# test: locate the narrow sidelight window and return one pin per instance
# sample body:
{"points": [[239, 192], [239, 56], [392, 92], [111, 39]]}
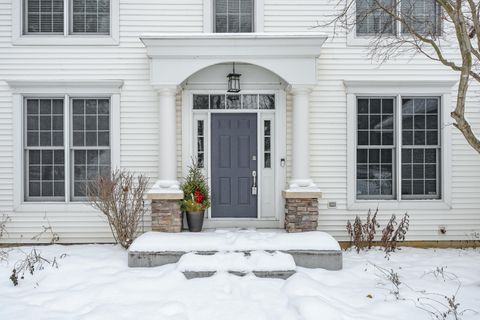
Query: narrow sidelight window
{"points": [[43, 16], [201, 143], [234, 16], [375, 148]]}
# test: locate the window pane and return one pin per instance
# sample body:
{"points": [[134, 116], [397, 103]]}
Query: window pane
{"points": [[88, 165], [44, 122], [233, 101], [421, 16], [266, 101], [234, 16], [45, 169], [250, 101], [420, 121], [200, 101], [91, 16], [371, 19], [44, 16]]}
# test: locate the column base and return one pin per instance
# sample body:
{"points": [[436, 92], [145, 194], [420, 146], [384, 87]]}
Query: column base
{"points": [[301, 210], [302, 184], [166, 213]]}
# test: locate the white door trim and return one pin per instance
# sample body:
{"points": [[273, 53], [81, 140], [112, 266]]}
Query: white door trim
{"points": [[279, 152]]}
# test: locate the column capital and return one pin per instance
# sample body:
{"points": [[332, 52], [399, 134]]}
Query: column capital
{"points": [[299, 89], [166, 90]]}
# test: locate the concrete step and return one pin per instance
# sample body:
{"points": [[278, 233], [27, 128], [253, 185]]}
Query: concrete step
{"points": [[263, 264]]}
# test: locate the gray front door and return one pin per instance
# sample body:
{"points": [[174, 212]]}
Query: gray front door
{"points": [[234, 162]]}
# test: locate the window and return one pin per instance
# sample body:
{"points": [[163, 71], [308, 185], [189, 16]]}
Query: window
{"points": [[47, 143], [90, 142], [84, 17], [90, 16], [234, 101], [44, 16], [45, 149], [372, 19], [234, 16], [267, 144], [422, 16], [420, 148], [375, 148], [201, 143], [379, 141]]}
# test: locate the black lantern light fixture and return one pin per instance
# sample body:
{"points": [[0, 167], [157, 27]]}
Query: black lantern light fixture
{"points": [[233, 81]]}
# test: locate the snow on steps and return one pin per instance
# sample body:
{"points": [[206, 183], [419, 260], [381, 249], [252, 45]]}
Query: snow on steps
{"points": [[272, 264], [309, 249]]}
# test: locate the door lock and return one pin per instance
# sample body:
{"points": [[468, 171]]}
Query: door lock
{"points": [[254, 187]]}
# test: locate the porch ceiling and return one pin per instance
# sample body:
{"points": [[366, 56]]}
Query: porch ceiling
{"points": [[292, 56]]}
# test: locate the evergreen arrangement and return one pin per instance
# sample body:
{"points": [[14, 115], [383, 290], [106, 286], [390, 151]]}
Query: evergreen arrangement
{"points": [[195, 189]]}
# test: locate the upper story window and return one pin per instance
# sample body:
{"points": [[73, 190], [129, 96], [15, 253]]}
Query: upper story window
{"points": [[372, 19], [234, 16], [421, 16], [81, 17]]}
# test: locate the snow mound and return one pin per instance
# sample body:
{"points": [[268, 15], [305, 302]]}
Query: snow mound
{"points": [[237, 261], [242, 240]]}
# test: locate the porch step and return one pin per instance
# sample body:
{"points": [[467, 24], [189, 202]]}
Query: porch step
{"points": [[310, 249], [263, 264]]}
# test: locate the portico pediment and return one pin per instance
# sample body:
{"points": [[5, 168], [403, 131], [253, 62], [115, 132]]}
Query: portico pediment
{"points": [[292, 56]]}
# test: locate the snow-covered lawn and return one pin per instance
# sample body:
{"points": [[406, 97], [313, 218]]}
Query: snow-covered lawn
{"points": [[94, 282]]}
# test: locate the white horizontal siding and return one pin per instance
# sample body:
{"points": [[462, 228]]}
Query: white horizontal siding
{"points": [[139, 124]]}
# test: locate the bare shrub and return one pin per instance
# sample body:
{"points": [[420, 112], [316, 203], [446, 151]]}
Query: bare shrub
{"points": [[4, 219], [47, 230], [392, 233], [119, 197], [32, 262], [393, 278], [442, 307], [363, 235]]}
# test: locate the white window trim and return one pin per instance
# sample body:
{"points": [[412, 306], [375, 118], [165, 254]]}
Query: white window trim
{"points": [[397, 89], [364, 41], [23, 89], [67, 39], [208, 17]]}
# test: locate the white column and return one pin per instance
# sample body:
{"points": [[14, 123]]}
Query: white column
{"points": [[300, 140], [167, 164]]}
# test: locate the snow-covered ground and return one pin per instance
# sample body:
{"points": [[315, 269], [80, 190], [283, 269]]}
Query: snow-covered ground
{"points": [[94, 282]]}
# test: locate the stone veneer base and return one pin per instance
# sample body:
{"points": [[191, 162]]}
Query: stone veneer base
{"points": [[301, 215], [166, 215]]}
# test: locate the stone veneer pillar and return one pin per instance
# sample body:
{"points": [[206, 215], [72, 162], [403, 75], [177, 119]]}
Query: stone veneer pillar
{"points": [[165, 193], [301, 198]]}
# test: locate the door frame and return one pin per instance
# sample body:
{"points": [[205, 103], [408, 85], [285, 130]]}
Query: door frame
{"points": [[279, 152]]}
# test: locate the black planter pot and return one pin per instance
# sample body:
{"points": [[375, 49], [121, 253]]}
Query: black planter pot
{"points": [[195, 220]]}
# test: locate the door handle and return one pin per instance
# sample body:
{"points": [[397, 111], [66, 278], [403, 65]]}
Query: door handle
{"points": [[254, 187]]}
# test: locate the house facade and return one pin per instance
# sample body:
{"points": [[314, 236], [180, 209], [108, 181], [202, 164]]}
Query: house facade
{"points": [[91, 85]]}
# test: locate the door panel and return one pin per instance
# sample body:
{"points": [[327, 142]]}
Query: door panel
{"points": [[233, 154]]}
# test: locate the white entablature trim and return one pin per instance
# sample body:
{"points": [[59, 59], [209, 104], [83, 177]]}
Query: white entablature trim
{"points": [[292, 56], [65, 86]]}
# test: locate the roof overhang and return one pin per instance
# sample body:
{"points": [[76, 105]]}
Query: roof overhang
{"points": [[292, 56]]}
